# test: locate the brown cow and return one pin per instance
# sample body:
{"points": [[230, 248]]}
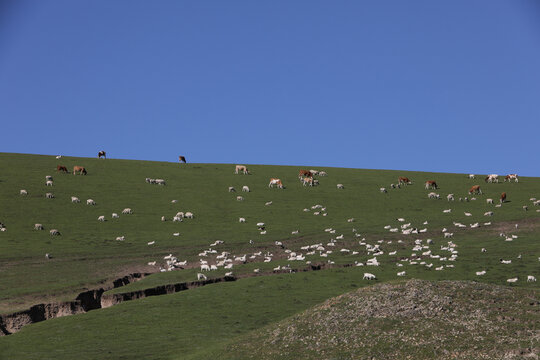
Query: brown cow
{"points": [[102, 153], [404, 180], [475, 189], [277, 182], [61, 168], [304, 173], [431, 184], [503, 197], [182, 159], [79, 169]]}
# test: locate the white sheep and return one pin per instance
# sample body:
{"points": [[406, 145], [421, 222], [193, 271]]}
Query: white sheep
{"points": [[38, 227], [433, 195], [242, 220], [402, 273], [450, 197], [512, 280], [54, 232], [232, 189], [115, 216], [48, 183], [49, 195], [101, 218], [163, 218], [383, 190], [531, 278], [120, 238], [201, 276], [472, 176], [489, 201], [48, 178], [160, 181], [245, 188], [488, 213], [75, 199], [189, 215], [268, 203], [177, 219], [369, 276], [239, 198], [205, 267], [23, 192], [90, 202], [127, 211], [340, 186], [481, 273]]}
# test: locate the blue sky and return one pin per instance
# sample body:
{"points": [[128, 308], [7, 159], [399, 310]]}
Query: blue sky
{"points": [[415, 85]]}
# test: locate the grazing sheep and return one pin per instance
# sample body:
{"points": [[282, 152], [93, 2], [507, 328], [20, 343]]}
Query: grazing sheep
{"points": [[101, 218], [90, 202], [205, 267], [49, 195], [177, 219], [448, 235], [75, 199], [242, 220], [340, 186], [472, 176], [232, 189], [163, 218], [531, 278], [489, 213], [48, 178], [189, 215], [433, 195], [38, 227], [48, 256], [489, 201], [115, 216], [525, 207], [402, 273], [160, 182], [120, 238], [201, 277], [383, 190], [322, 173], [450, 197], [245, 188], [369, 276], [23, 192], [49, 183], [240, 198], [54, 232], [127, 211]]}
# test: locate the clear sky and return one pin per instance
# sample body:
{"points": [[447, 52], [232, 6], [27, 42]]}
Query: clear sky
{"points": [[428, 85]]}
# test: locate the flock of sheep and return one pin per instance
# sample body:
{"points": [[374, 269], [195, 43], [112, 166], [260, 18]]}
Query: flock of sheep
{"points": [[423, 253]]}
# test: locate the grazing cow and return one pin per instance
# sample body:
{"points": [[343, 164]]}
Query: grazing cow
{"points": [[276, 182], [182, 159], [102, 154], [61, 168], [307, 181], [241, 168], [511, 177], [475, 189], [503, 197], [431, 184], [79, 169], [404, 180], [304, 173], [492, 178]]}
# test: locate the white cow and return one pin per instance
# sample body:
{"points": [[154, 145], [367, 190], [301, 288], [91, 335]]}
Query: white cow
{"points": [[492, 178]]}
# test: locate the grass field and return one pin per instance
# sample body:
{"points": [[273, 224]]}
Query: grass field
{"points": [[86, 255]]}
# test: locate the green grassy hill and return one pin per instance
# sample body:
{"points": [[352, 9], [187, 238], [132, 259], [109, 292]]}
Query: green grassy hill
{"points": [[86, 254]]}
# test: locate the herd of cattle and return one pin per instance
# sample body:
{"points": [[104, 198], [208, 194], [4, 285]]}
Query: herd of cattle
{"points": [[421, 252]]}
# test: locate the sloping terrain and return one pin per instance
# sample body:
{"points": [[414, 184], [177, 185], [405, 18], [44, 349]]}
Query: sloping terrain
{"points": [[415, 319], [337, 230]]}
